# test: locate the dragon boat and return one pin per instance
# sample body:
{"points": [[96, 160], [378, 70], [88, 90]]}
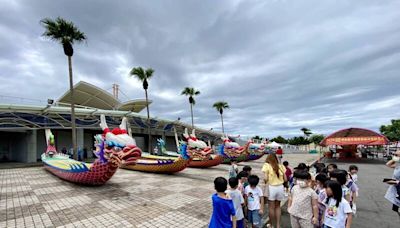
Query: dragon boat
{"points": [[161, 164], [232, 151], [255, 151], [201, 153], [113, 148]]}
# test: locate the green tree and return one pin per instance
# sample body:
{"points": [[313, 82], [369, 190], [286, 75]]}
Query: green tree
{"points": [[298, 140], [279, 139], [220, 106], [191, 92], [316, 139], [66, 33], [391, 131], [144, 76]]}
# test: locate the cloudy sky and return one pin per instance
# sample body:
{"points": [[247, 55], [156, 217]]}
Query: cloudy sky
{"points": [[280, 64]]}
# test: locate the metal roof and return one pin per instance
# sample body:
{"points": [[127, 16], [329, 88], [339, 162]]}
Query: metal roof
{"points": [[86, 94], [22, 117]]}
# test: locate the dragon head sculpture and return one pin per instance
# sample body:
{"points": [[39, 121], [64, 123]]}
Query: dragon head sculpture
{"points": [[116, 146]]}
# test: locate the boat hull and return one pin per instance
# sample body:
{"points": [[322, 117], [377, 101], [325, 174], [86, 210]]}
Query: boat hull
{"points": [[241, 158], [166, 166], [98, 174], [206, 163], [253, 157]]}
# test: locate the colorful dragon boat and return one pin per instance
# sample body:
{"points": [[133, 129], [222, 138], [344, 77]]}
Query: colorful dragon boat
{"points": [[232, 151], [113, 148], [255, 150], [161, 164], [201, 154]]}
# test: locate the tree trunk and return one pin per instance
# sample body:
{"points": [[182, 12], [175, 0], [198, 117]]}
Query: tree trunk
{"points": [[73, 125], [148, 122], [222, 121], [191, 112]]}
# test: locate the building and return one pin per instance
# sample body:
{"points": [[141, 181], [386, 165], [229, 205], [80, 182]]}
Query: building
{"points": [[22, 126]]}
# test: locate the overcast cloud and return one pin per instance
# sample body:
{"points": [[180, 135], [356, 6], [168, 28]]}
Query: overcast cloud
{"points": [[281, 65]]}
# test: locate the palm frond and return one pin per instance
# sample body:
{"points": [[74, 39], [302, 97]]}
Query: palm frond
{"points": [[138, 72], [149, 73], [220, 105], [190, 91], [62, 31]]}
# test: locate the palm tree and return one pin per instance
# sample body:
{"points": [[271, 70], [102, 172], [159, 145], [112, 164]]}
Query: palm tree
{"points": [[307, 132], [220, 106], [66, 33], [143, 76], [191, 92]]}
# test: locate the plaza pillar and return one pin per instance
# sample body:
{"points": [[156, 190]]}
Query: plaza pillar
{"points": [[80, 141], [31, 149]]}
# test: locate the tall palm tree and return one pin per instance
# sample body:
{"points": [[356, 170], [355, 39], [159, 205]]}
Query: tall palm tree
{"points": [[143, 76], [66, 33], [220, 106], [307, 132], [191, 92]]}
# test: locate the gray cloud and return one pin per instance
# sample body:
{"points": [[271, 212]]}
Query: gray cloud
{"points": [[281, 65]]}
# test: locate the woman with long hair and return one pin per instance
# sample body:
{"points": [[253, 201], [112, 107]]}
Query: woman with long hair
{"points": [[274, 177]]}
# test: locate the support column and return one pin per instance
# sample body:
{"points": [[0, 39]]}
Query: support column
{"points": [[31, 149], [80, 140]]}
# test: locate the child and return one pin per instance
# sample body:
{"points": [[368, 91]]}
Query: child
{"points": [[303, 202], [338, 213], [242, 177], [233, 170], [320, 180], [340, 176], [223, 214], [331, 168], [247, 169], [353, 190], [288, 174], [243, 182], [238, 201], [353, 170], [254, 201]]}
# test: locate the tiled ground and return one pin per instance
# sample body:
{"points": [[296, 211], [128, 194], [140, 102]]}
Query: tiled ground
{"points": [[32, 197]]}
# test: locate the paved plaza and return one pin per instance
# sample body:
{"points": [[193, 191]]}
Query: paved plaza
{"points": [[32, 197]]}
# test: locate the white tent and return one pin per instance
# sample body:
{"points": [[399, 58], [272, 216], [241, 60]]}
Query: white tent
{"points": [[274, 145]]}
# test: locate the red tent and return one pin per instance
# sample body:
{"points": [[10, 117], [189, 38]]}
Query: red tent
{"points": [[355, 136]]}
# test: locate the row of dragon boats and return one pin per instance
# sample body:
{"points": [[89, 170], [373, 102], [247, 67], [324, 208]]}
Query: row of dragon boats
{"points": [[116, 148]]}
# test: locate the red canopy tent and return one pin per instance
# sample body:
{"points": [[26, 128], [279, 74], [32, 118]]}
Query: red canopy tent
{"points": [[355, 136], [350, 138]]}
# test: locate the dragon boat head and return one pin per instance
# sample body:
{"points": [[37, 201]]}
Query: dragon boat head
{"points": [[116, 146], [183, 150], [161, 145]]}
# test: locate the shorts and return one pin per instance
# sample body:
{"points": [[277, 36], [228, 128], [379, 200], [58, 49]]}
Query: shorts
{"points": [[297, 222], [266, 191], [276, 192], [240, 223], [254, 217]]}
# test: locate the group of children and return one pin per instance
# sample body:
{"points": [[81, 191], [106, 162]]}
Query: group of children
{"points": [[242, 203], [319, 197], [324, 197]]}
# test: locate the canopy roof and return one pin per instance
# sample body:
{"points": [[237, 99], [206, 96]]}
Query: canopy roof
{"points": [[355, 136], [133, 105], [274, 145], [88, 95]]}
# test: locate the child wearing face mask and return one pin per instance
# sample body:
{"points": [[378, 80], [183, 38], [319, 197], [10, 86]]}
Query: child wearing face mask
{"points": [[303, 202], [353, 170]]}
